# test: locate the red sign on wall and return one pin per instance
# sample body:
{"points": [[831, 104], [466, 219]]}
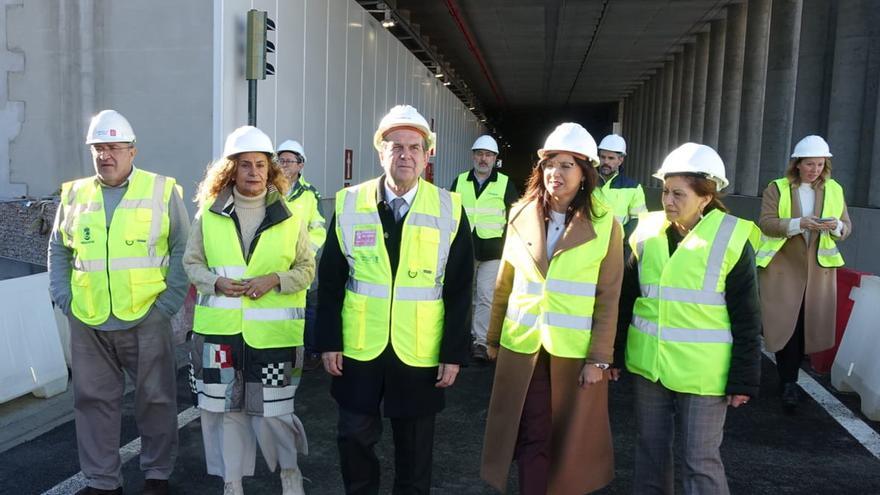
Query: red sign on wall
{"points": [[349, 164], [429, 172]]}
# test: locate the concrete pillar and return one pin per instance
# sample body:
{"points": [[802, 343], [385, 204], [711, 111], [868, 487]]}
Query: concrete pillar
{"points": [[698, 101], [677, 94], [782, 68], [751, 117], [657, 119], [731, 90], [644, 144], [714, 82], [687, 93], [637, 157], [851, 100], [666, 117], [815, 53]]}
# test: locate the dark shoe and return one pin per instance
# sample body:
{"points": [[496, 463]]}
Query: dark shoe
{"points": [[791, 395], [155, 487], [311, 362], [97, 491]]}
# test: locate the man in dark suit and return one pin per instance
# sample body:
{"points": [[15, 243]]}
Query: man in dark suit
{"points": [[393, 307]]}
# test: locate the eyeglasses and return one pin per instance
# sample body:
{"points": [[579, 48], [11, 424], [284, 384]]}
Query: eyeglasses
{"points": [[558, 165], [289, 162], [99, 149]]}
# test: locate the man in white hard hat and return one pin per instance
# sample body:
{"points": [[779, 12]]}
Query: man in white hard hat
{"points": [[486, 195], [115, 271], [304, 201], [394, 299], [623, 194]]}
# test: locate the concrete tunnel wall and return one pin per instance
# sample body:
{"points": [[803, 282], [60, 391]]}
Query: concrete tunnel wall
{"points": [[753, 84]]}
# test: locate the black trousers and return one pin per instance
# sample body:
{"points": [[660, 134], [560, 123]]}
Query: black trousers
{"points": [[789, 358], [413, 448]]}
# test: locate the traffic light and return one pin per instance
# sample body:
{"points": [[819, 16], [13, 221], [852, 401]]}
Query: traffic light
{"points": [[258, 45]]}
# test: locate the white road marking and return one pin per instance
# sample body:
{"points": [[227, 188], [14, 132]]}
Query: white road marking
{"points": [[127, 452]]}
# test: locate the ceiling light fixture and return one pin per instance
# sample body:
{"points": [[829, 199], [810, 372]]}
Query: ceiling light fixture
{"points": [[388, 22], [438, 75]]}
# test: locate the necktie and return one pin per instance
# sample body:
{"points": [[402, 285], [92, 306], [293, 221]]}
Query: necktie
{"points": [[396, 205]]}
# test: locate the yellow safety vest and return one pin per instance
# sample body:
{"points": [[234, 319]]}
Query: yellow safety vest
{"points": [[627, 202], [555, 312], [120, 269], [680, 331], [833, 204], [275, 319], [487, 214], [410, 305], [303, 203]]}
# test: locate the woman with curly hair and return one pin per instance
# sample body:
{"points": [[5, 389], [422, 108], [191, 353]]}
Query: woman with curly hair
{"points": [[251, 263]]}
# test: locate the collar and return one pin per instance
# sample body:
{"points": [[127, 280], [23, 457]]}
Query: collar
{"points": [[99, 182], [613, 176], [409, 196], [493, 176]]}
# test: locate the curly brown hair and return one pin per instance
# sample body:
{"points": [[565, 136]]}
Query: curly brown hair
{"points": [[222, 172]]}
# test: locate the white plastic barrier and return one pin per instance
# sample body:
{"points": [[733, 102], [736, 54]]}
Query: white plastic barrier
{"points": [[857, 367], [31, 357]]}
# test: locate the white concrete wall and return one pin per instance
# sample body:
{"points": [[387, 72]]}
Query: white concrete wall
{"points": [[152, 61], [337, 73]]}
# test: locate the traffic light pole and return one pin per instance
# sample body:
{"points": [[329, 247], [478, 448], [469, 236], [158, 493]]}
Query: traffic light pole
{"points": [[252, 102]]}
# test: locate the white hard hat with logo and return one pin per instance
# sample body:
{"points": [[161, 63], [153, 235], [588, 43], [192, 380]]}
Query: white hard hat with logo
{"points": [[693, 158], [572, 138], [246, 139], [613, 142], [293, 147], [109, 126], [404, 116], [811, 147], [485, 142]]}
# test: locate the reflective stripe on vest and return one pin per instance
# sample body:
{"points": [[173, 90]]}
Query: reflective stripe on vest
{"points": [[413, 311], [120, 270], [487, 213], [833, 204], [627, 203], [274, 320], [680, 330], [555, 312]]}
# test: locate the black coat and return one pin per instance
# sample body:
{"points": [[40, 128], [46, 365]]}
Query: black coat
{"points": [[743, 306], [489, 249], [404, 391]]}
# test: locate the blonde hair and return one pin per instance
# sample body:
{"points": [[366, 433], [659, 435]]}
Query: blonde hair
{"points": [[794, 175], [221, 174]]}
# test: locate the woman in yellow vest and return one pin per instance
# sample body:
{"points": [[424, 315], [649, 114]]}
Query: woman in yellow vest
{"points": [[552, 328], [803, 215], [689, 324], [251, 262]]}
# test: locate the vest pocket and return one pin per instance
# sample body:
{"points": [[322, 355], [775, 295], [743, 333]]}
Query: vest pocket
{"points": [[429, 328], [82, 300], [145, 287], [354, 325]]}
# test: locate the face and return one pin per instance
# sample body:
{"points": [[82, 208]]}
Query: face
{"points": [[484, 162], [113, 161], [682, 205], [609, 162], [810, 169], [562, 177], [251, 173], [404, 157], [291, 165]]}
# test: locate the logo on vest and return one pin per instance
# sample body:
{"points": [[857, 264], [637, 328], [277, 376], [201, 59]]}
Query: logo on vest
{"points": [[364, 238], [87, 235]]}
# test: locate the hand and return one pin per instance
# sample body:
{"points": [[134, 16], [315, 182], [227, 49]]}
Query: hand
{"points": [[737, 400], [590, 374], [229, 287], [256, 287], [332, 363], [446, 374], [492, 353], [614, 374], [813, 223]]}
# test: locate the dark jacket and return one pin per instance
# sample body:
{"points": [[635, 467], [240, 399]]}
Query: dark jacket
{"points": [[404, 390], [489, 249], [743, 306]]}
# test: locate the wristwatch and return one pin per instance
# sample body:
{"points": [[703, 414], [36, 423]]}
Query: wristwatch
{"points": [[602, 366]]}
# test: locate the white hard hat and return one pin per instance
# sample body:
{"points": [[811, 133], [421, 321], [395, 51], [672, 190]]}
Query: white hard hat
{"points": [[245, 139], [404, 116], [293, 147], [485, 142], [811, 146], [109, 126], [693, 158], [613, 142], [573, 138]]}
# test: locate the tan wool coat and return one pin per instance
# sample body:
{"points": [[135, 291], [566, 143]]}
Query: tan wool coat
{"points": [[794, 276], [582, 456]]}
